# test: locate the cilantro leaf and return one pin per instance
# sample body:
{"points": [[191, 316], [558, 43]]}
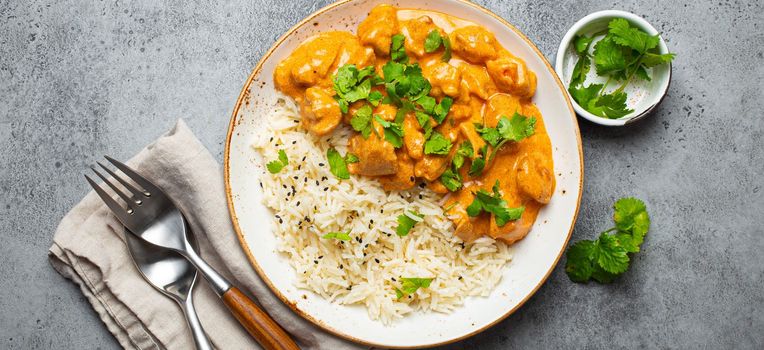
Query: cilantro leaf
{"points": [[447, 49], [495, 205], [653, 59], [612, 105], [337, 164], [424, 122], [437, 144], [393, 131], [397, 49], [479, 163], [580, 70], [276, 165], [579, 265], [609, 58], [611, 256], [582, 43], [433, 41], [351, 85], [361, 121], [341, 236], [351, 158], [451, 179], [464, 151], [409, 285], [406, 222], [441, 110], [631, 217], [625, 35]]}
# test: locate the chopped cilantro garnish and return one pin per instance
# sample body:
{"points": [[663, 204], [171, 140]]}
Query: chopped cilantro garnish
{"points": [[406, 222], [479, 162], [341, 236], [434, 40], [464, 151], [437, 144], [607, 257], [409, 285], [515, 130], [276, 165], [397, 49], [393, 131], [451, 179], [361, 121], [351, 85], [495, 205], [338, 164]]}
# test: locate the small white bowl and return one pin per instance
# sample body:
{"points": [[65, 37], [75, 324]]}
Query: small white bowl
{"points": [[643, 96]]}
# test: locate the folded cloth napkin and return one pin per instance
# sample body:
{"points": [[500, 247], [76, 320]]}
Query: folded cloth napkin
{"points": [[89, 248]]}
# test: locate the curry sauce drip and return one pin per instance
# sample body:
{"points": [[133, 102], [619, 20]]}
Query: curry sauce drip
{"points": [[485, 82]]}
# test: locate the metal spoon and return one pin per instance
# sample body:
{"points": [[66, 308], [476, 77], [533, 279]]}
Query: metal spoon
{"points": [[171, 274]]}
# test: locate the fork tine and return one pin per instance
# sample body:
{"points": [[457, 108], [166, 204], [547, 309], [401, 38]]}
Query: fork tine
{"points": [[140, 180], [124, 182], [128, 199], [119, 212]]}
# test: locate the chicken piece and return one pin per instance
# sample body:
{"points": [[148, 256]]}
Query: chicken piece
{"points": [[474, 44], [376, 156], [309, 63], [475, 80], [460, 112], [535, 178], [320, 111], [444, 78], [386, 111], [467, 228], [413, 138], [431, 166], [353, 52], [377, 29], [500, 105], [404, 178], [437, 187], [415, 31], [511, 74], [512, 231]]}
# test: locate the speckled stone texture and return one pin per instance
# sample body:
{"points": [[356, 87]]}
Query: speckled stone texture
{"points": [[79, 79]]}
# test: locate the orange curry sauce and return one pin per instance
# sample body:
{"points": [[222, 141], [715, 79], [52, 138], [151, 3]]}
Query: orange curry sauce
{"points": [[485, 82]]}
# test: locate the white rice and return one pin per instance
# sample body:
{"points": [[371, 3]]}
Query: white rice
{"points": [[367, 269]]}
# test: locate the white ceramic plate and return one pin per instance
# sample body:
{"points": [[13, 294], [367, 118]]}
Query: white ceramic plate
{"points": [[534, 257]]}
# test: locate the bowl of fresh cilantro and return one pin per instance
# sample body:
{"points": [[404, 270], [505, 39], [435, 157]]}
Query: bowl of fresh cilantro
{"points": [[616, 67]]}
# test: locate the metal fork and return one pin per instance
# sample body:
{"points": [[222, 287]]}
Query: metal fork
{"points": [[151, 215]]}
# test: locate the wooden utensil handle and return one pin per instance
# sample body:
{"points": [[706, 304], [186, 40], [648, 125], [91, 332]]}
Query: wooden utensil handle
{"points": [[259, 325]]}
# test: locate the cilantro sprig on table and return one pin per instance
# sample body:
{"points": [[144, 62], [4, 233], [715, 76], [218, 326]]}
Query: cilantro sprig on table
{"points": [[624, 53], [607, 257]]}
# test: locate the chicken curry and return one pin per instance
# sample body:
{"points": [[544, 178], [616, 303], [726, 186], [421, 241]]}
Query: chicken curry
{"points": [[437, 100]]}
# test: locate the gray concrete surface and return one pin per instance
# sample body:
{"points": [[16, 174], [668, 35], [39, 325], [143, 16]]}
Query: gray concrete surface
{"points": [[79, 79]]}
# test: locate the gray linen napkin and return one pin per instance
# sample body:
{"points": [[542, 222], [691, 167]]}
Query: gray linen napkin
{"points": [[89, 248]]}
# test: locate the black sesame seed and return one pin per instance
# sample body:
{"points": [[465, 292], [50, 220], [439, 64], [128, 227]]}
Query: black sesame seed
{"points": [[412, 179], [460, 278], [320, 256], [317, 183], [298, 204], [326, 189], [342, 266], [284, 186], [320, 164], [294, 142], [377, 260], [315, 262], [299, 167], [303, 158], [295, 177], [420, 196], [393, 278], [371, 221], [281, 221]]}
